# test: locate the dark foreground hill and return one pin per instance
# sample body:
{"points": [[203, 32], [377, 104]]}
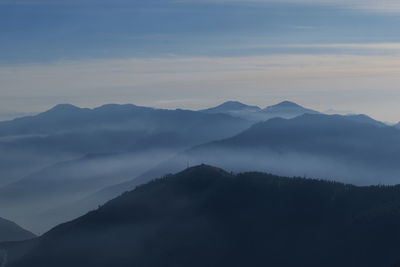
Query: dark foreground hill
{"points": [[10, 231], [205, 216], [351, 149]]}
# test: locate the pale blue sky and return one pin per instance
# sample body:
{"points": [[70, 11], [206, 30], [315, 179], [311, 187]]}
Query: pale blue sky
{"points": [[192, 54]]}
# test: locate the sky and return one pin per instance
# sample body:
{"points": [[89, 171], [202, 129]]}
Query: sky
{"points": [[323, 54]]}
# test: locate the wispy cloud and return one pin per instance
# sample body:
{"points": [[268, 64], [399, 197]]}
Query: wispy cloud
{"points": [[342, 81], [370, 48], [386, 6], [375, 46]]}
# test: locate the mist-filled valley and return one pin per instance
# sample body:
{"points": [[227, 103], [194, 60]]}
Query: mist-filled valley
{"points": [[67, 153], [61, 164], [185, 133], [68, 160], [205, 216]]}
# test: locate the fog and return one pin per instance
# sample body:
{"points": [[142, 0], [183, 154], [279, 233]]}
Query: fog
{"points": [[62, 163], [291, 164], [295, 164], [18, 163], [46, 198], [69, 189]]}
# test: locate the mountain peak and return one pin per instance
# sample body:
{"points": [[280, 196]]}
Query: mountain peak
{"points": [[231, 106], [288, 109], [204, 168], [235, 105], [64, 107], [286, 104]]}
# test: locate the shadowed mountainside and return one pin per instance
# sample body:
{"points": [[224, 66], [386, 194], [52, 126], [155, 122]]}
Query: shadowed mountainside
{"points": [[365, 151], [341, 148], [314, 145], [67, 132], [10, 231], [205, 216], [111, 149], [67, 153]]}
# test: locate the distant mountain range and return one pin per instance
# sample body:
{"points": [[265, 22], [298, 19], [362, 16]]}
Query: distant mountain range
{"points": [[284, 109], [205, 216], [61, 163], [67, 132], [112, 128], [40, 197], [10, 231], [352, 149], [67, 152], [344, 148]]}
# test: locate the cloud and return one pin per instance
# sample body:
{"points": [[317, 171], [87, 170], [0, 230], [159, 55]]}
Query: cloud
{"points": [[385, 6], [372, 46], [364, 83], [364, 48]]}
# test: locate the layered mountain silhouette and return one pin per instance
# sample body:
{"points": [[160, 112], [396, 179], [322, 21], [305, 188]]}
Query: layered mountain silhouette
{"points": [[9, 231], [205, 216], [69, 152], [285, 109], [351, 149], [40, 198], [61, 163], [113, 128], [343, 148], [315, 145], [365, 119]]}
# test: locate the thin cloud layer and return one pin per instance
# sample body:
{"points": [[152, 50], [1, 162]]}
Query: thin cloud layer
{"points": [[339, 81], [386, 6], [179, 53]]}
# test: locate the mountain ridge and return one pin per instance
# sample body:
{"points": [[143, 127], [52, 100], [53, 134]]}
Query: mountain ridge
{"points": [[205, 216], [285, 109], [231, 105], [56, 145], [10, 231]]}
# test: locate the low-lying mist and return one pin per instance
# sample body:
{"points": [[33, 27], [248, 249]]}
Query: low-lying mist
{"points": [[292, 164], [45, 198]]}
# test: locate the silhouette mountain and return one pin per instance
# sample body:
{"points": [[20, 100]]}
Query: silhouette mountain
{"points": [[67, 153], [365, 119], [10, 231], [287, 109], [65, 119], [236, 109], [205, 216], [231, 106], [40, 198], [332, 146], [284, 104], [67, 132], [59, 164], [284, 109], [315, 145]]}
